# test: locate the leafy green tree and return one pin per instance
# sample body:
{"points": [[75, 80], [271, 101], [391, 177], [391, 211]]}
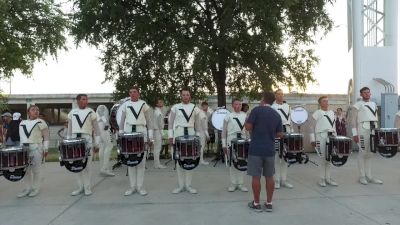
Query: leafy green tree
{"points": [[29, 31], [244, 46]]}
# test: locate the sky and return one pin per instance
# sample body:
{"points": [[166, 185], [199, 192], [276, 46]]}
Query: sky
{"points": [[79, 69]]}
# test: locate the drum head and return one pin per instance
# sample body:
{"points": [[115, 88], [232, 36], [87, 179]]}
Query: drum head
{"points": [[299, 115], [217, 118]]}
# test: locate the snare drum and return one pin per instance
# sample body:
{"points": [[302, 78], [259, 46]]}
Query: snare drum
{"points": [[239, 153], [73, 154], [386, 141], [293, 143], [131, 143], [187, 151], [73, 149], [131, 148], [386, 137], [14, 162], [339, 148]]}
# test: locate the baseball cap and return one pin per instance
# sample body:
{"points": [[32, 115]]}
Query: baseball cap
{"points": [[6, 114]]}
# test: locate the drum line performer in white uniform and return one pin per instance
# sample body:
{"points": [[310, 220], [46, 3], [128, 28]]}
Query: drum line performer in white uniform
{"points": [[281, 166], [363, 120], [158, 133], [322, 125], [233, 127], [136, 117], [184, 116], [82, 122], [106, 144], [34, 134], [204, 136]]}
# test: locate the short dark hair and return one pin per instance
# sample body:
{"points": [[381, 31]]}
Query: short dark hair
{"points": [[204, 103], [32, 106], [236, 99], [320, 98], [364, 89], [185, 89], [135, 88], [269, 97], [339, 108], [79, 96]]}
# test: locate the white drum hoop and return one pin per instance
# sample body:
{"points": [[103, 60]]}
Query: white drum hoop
{"points": [[217, 118], [298, 115]]}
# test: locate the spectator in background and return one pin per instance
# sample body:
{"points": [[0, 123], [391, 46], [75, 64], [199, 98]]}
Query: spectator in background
{"points": [[340, 122], [62, 133], [12, 136], [6, 119], [245, 107]]}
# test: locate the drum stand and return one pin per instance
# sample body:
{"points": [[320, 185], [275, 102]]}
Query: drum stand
{"points": [[220, 152]]}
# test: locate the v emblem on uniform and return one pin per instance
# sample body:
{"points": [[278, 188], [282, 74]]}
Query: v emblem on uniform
{"points": [[136, 115], [79, 120], [329, 120], [185, 115], [238, 122], [370, 109], [284, 114], [28, 134]]}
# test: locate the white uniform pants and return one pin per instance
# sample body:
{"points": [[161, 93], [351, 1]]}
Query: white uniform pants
{"points": [[33, 175], [203, 142], [83, 177], [157, 146], [280, 165], [105, 148], [364, 157], [325, 166], [236, 175], [136, 173], [184, 176]]}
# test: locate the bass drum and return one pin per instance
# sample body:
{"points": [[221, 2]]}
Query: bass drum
{"points": [[115, 114], [298, 115], [217, 118]]}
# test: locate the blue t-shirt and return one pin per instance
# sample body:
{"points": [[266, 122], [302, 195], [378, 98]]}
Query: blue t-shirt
{"points": [[266, 124]]}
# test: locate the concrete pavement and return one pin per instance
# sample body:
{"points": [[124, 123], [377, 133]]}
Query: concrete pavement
{"points": [[307, 203]]}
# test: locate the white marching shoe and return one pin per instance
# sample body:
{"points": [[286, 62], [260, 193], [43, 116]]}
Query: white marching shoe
{"points": [[191, 190], [142, 191], [242, 188], [107, 173], [363, 180], [202, 162], [77, 192], [286, 184], [160, 166], [34, 192], [24, 193], [322, 182], [232, 188], [331, 182], [130, 191], [177, 190], [374, 180]]}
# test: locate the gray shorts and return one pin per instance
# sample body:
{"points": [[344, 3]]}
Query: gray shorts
{"points": [[258, 165]]}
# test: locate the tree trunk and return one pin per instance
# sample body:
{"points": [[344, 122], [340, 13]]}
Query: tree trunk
{"points": [[219, 78]]}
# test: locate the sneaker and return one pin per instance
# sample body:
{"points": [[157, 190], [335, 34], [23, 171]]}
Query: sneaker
{"points": [[191, 190], [142, 191], [34, 192], [287, 184], [277, 184], [88, 191], [107, 173], [243, 188], [322, 182], [130, 191], [363, 180], [331, 182], [374, 180], [177, 190], [232, 188], [256, 208], [160, 167], [268, 207], [24, 193], [204, 162], [77, 192]]}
